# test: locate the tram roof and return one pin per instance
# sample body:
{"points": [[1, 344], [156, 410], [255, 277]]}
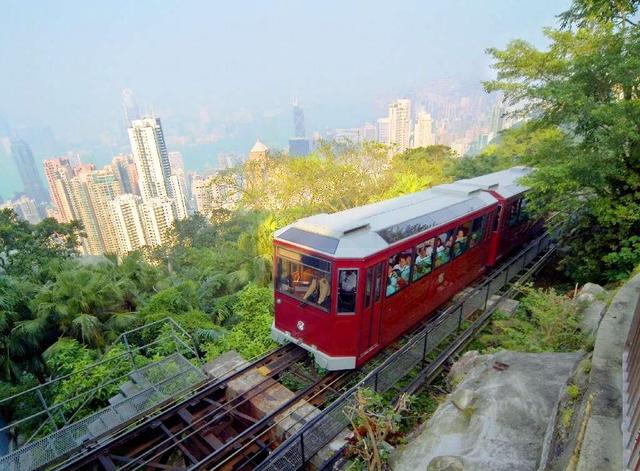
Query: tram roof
{"points": [[505, 182], [365, 230]]}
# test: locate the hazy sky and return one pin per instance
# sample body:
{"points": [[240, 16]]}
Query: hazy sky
{"points": [[65, 63]]}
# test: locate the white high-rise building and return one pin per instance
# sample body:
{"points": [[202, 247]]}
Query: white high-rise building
{"points": [[423, 132], [158, 217], [155, 177], [127, 216], [24, 207], [368, 132], [201, 190], [151, 157], [400, 124], [383, 130], [176, 192]]}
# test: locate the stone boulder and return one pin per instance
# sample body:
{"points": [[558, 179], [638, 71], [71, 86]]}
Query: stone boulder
{"points": [[461, 367], [446, 463], [509, 401]]}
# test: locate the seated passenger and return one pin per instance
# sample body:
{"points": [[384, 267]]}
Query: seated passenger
{"points": [[404, 267], [311, 293], [423, 262], [460, 244], [442, 252], [348, 281], [392, 282], [401, 281], [324, 292]]}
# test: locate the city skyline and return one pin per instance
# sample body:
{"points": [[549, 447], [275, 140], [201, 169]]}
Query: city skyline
{"points": [[98, 51], [207, 123]]}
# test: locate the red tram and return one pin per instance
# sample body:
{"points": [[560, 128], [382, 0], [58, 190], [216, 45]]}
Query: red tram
{"points": [[348, 284]]}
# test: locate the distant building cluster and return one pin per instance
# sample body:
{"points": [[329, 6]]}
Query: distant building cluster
{"points": [[466, 123], [133, 201], [298, 144], [128, 204]]}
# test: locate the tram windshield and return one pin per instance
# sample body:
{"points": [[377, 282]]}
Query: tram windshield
{"points": [[304, 277]]}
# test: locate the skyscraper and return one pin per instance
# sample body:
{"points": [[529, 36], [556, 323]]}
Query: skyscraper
{"points": [[497, 119], [368, 133], [151, 157], [383, 130], [153, 165], [423, 132], [127, 173], [91, 194], [298, 144], [400, 124], [103, 186], [58, 173], [158, 217], [24, 207], [128, 218], [29, 175]]}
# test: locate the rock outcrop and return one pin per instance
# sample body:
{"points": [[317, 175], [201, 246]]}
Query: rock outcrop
{"points": [[496, 418]]}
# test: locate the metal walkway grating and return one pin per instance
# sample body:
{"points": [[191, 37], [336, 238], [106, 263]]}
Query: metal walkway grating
{"points": [[162, 380]]}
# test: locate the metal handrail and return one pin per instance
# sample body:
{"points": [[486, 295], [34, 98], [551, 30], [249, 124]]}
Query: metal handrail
{"points": [[314, 434]]}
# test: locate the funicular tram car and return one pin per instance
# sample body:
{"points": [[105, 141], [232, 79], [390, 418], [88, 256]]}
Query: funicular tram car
{"points": [[348, 284]]}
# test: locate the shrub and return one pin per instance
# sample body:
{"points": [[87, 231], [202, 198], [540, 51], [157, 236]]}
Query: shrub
{"points": [[544, 322]]}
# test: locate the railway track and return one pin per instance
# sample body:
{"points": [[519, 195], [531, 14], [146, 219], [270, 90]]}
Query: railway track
{"points": [[223, 425], [208, 411]]}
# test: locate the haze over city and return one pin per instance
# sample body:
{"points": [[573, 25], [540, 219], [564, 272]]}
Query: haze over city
{"points": [[221, 75]]}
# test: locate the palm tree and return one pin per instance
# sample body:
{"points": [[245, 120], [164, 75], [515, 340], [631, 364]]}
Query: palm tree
{"points": [[21, 334]]}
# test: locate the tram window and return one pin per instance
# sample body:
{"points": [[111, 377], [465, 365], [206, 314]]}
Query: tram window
{"points": [[377, 289], [424, 259], [304, 277], [347, 289], [513, 213], [524, 214], [477, 230], [368, 287], [443, 248], [399, 272], [462, 239]]}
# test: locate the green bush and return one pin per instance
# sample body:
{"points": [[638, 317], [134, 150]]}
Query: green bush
{"points": [[251, 335], [545, 322]]}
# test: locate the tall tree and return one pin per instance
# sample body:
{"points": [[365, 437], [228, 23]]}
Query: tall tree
{"points": [[25, 248], [582, 98]]}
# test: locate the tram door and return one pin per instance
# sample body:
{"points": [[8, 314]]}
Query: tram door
{"points": [[371, 309]]}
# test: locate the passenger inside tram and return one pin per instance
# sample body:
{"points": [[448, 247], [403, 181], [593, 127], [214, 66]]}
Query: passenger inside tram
{"points": [[347, 290], [403, 265], [393, 281], [303, 282], [423, 259], [442, 255], [460, 245], [318, 291]]}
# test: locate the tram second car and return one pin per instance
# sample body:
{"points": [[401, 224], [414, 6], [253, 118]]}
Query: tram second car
{"points": [[348, 284]]}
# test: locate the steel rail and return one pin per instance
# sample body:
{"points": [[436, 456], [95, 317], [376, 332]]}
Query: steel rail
{"points": [[291, 411], [205, 389], [256, 390]]}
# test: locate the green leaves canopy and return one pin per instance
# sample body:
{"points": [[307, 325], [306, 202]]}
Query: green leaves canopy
{"points": [[582, 96]]}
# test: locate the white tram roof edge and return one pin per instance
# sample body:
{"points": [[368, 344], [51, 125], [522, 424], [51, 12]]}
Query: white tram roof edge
{"points": [[365, 230]]}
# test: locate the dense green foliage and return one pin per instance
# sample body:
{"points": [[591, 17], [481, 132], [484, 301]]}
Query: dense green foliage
{"points": [[60, 313], [582, 100], [544, 322]]}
